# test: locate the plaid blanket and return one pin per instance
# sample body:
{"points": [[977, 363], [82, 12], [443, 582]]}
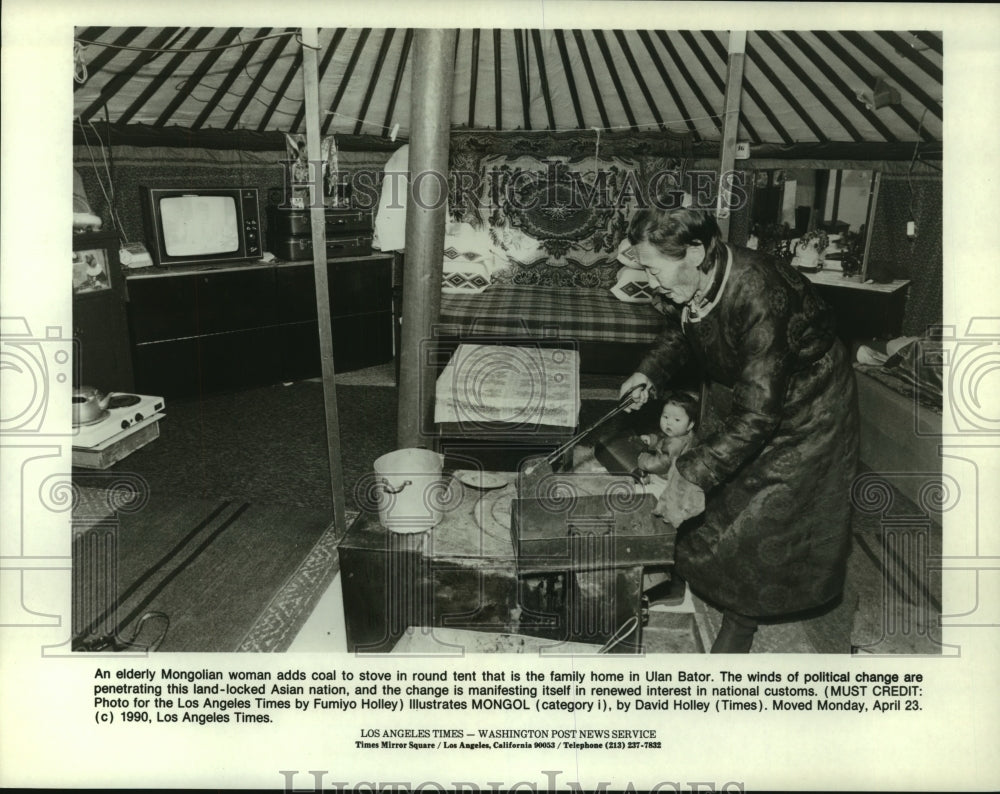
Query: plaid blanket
{"points": [[582, 314]]}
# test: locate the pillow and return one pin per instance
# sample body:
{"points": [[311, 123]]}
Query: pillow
{"points": [[83, 215], [464, 275], [920, 361], [626, 255], [632, 286]]}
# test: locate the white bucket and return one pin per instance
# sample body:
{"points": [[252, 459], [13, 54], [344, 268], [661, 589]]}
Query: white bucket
{"points": [[408, 483]]}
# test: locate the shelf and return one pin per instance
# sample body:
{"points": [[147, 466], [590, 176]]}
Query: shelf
{"points": [[835, 278]]}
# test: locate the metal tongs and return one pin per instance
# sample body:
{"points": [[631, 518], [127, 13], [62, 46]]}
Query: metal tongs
{"points": [[625, 403]]}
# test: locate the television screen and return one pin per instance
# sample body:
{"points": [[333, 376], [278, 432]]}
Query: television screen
{"points": [[199, 225]]}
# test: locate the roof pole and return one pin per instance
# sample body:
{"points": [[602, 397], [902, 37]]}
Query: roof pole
{"points": [[432, 71], [310, 79], [730, 125]]}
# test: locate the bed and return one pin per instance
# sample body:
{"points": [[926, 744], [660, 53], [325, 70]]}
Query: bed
{"points": [[611, 336], [900, 402]]}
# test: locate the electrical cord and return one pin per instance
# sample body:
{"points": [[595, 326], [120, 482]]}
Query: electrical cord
{"points": [[181, 83], [97, 171], [909, 171], [113, 642], [177, 50], [137, 74], [107, 170], [158, 639], [109, 166], [115, 220], [623, 632]]}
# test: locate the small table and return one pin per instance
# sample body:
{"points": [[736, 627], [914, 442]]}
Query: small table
{"points": [[498, 403], [130, 422], [835, 278], [463, 574]]}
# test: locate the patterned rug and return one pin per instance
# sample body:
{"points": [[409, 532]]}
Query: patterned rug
{"points": [[262, 454], [276, 627]]}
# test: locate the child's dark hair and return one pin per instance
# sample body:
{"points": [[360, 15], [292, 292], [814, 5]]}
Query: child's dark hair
{"points": [[687, 400]]}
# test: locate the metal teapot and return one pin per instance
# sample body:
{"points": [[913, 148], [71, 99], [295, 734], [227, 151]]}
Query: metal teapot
{"points": [[89, 405]]}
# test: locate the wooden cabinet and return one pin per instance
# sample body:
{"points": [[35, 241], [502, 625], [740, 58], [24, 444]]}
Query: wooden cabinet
{"points": [[202, 330], [101, 354], [864, 309], [361, 314]]}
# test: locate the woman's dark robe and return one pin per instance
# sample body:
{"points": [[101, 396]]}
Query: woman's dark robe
{"points": [[777, 470]]}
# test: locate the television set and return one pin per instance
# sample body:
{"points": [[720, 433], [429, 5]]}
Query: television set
{"points": [[201, 225]]}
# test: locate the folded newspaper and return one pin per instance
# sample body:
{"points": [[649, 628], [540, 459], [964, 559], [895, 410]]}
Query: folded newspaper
{"points": [[522, 386]]}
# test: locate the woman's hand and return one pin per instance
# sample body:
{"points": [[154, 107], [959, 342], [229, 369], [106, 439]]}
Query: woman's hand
{"points": [[639, 396], [653, 462]]}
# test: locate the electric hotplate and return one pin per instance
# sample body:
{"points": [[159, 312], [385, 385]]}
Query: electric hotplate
{"points": [[124, 412]]}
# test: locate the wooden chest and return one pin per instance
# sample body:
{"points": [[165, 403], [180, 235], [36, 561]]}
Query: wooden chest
{"points": [[585, 533], [348, 233], [300, 248], [298, 223]]}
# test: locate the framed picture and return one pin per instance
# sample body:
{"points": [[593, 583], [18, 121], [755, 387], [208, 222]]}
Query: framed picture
{"points": [[95, 263]]}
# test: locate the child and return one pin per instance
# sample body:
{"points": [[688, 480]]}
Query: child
{"points": [[677, 424]]}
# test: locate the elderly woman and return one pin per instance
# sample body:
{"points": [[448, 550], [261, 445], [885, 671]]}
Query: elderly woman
{"points": [[765, 494]]}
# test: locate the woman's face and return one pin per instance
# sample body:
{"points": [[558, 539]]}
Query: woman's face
{"points": [[677, 279]]}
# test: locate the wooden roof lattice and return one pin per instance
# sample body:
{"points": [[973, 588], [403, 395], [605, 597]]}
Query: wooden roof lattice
{"points": [[799, 87]]}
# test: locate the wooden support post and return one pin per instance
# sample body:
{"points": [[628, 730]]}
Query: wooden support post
{"points": [[430, 126], [310, 78], [730, 124]]}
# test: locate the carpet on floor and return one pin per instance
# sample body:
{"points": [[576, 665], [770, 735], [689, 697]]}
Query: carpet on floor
{"points": [[277, 625], [234, 542], [197, 575], [259, 458], [268, 445], [897, 581], [891, 603]]}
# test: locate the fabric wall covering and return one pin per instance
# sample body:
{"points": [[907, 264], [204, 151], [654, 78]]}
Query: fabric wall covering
{"points": [[187, 167], [554, 207], [921, 260]]}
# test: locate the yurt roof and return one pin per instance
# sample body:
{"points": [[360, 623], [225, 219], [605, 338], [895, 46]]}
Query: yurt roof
{"points": [[798, 87]]}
